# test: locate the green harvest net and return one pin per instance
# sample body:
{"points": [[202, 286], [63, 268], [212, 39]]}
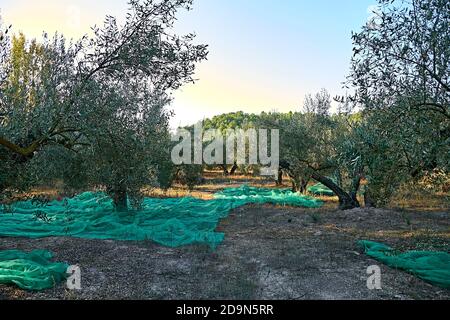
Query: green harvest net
{"points": [[171, 222], [267, 195], [31, 271], [320, 190], [430, 266]]}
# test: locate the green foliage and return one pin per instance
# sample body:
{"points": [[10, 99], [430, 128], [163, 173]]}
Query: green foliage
{"points": [[402, 58], [189, 175], [93, 113], [165, 173], [233, 120], [401, 73]]}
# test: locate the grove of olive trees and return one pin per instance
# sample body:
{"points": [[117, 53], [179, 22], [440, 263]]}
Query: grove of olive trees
{"points": [[94, 112]]}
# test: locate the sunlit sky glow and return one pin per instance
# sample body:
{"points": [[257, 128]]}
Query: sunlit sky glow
{"points": [[265, 55]]}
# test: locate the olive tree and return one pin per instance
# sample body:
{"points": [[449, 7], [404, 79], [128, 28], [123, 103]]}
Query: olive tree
{"points": [[401, 74], [312, 148], [403, 57], [101, 98]]}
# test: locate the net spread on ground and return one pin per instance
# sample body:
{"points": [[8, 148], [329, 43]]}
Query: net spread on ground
{"points": [[171, 222], [431, 266], [30, 271]]}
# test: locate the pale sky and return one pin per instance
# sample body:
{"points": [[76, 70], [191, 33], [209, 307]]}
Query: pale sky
{"points": [[264, 55]]}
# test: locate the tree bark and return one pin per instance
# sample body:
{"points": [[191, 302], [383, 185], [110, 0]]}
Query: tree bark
{"points": [[338, 177], [233, 168], [24, 152], [120, 198], [356, 183], [303, 185], [295, 187], [298, 184], [345, 200], [280, 177], [225, 169], [368, 200]]}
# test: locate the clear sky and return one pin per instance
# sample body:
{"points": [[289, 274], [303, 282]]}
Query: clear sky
{"points": [[264, 54]]}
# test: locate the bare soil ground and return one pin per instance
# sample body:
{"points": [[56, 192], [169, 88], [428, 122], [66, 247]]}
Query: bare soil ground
{"points": [[269, 253]]}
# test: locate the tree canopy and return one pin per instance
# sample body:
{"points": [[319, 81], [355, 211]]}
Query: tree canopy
{"points": [[103, 99]]}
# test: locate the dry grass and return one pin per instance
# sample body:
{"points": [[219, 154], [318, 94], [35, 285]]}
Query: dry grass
{"points": [[410, 199], [420, 200], [214, 182]]}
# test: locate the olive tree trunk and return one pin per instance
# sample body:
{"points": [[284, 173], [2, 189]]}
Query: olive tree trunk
{"points": [[280, 177], [120, 198], [225, 169], [299, 184], [346, 201], [233, 168], [369, 202]]}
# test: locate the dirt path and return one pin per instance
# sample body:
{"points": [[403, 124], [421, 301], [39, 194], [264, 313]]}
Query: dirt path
{"points": [[268, 253]]}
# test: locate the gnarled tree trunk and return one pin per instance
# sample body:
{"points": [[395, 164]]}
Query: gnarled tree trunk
{"points": [[120, 198], [298, 184], [303, 185], [346, 201], [369, 202], [225, 169], [356, 183], [280, 177], [233, 168]]}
